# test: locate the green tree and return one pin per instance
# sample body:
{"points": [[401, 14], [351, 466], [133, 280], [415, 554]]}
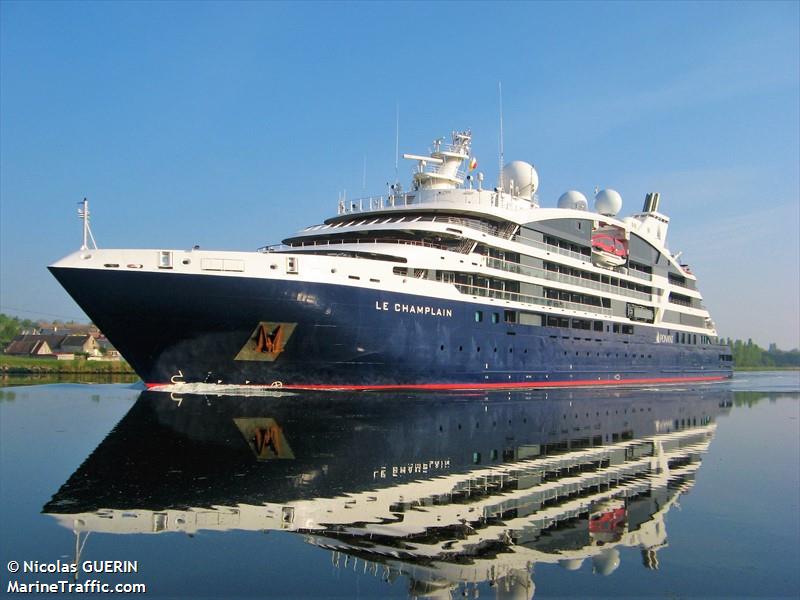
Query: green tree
{"points": [[10, 328]]}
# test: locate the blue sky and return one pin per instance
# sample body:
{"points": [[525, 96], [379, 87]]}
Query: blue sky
{"points": [[233, 125]]}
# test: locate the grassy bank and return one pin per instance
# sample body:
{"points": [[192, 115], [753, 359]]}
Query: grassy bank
{"points": [[766, 368], [25, 365]]}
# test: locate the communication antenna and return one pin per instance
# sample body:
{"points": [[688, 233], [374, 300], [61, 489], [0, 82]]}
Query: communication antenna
{"points": [[500, 92], [396, 142], [83, 213]]}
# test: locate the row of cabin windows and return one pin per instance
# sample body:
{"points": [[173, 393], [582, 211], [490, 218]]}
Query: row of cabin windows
{"points": [[510, 316], [555, 294], [480, 224], [565, 245], [680, 299], [640, 267], [607, 279]]}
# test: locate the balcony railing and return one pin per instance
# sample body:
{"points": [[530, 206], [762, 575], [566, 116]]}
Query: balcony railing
{"points": [[343, 241], [563, 278], [526, 299]]}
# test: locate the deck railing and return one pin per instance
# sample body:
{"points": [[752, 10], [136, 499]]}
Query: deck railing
{"points": [[357, 241], [406, 199], [473, 290], [563, 278]]}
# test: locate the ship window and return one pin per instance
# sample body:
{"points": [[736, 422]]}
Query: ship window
{"points": [[598, 326], [159, 522], [165, 260], [291, 264], [627, 329], [476, 458], [616, 327], [510, 316], [478, 316], [495, 317]]}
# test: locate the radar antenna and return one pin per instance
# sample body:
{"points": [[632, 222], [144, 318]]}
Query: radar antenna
{"points": [[83, 213], [396, 142], [500, 93]]}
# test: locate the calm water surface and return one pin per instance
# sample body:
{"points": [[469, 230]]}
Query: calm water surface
{"points": [[689, 492]]}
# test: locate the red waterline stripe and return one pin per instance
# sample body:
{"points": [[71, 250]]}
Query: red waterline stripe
{"points": [[478, 386]]}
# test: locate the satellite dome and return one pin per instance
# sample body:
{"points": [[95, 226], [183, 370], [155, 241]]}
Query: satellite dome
{"points": [[571, 564], [608, 202], [606, 562], [573, 199], [524, 177]]}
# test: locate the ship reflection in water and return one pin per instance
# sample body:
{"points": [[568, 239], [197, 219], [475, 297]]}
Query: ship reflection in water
{"points": [[448, 491]]}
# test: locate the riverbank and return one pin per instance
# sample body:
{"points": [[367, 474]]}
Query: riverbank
{"points": [[795, 368], [21, 365]]}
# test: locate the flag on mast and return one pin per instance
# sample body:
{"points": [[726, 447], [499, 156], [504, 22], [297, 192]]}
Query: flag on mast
{"points": [[473, 163]]}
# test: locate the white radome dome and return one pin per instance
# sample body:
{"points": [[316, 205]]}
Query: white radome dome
{"points": [[524, 176], [573, 199], [571, 564], [606, 562], [608, 202]]}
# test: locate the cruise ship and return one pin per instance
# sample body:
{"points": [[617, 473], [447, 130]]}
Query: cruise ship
{"points": [[446, 285], [439, 492]]}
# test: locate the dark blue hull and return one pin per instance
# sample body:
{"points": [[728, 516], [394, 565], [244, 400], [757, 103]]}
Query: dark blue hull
{"points": [[215, 329]]}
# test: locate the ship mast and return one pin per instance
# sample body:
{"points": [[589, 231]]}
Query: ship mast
{"points": [[83, 213]]}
